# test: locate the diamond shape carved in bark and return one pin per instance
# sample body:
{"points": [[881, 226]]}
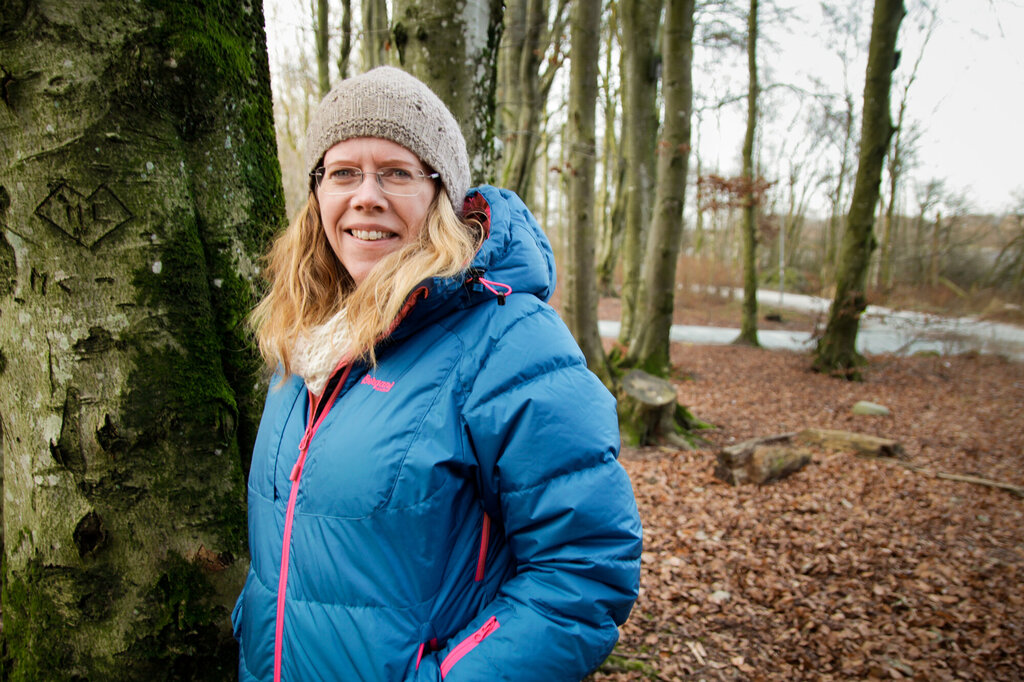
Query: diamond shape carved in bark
{"points": [[86, 219]]}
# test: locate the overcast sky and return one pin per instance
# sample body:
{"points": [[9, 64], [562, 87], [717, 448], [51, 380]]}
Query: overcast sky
{"points": [[968, 97]]}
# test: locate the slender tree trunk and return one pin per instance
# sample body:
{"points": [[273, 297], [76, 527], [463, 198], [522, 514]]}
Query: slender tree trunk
{"points": [[933, 252], [452, 46], [376, 35], [525, 88], [639, 73], [649, 349], [836, 351], [748, 325], [610, 234], [323, 57], [581, 294], [345, 51], [138, 185]]}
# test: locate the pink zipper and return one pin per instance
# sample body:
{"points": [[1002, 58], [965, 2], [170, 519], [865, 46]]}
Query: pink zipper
{"points": [[484, 538], [468, 644], [295, 477]]}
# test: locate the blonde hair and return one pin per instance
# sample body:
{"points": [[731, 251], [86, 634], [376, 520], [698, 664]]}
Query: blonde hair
{"points": [[308, 284]]}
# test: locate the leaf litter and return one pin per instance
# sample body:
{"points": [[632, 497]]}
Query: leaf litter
{"points": [[851, 568]]}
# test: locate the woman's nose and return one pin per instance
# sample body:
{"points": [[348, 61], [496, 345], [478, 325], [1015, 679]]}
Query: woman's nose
{"points": [[369, 194]]}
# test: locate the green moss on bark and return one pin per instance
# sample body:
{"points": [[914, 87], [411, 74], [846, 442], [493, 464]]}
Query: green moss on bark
{"points": [[180, 400], [187, 642]]}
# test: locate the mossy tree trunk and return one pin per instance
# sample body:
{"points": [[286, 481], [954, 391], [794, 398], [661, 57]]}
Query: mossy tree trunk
{"points": [[581, 293], [321, 29], [639, 73], [836, 351], [138, 183], [452, 46], [751, 196], [649, 349]]}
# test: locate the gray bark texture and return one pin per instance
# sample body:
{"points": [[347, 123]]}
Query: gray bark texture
{"points": [[376, 35], [836, 351], [138, 183], [452, 46], [581, 294], [323, 57], [640, 66], [751, 198], [649, 349], [524, 87]]}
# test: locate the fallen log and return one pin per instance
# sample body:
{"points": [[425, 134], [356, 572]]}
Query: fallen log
{"points": [[847, 441]]}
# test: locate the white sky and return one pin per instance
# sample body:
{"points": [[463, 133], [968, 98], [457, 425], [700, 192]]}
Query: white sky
{"points": [[968, 96]]}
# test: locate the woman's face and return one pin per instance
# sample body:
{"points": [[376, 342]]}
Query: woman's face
{"points": [[367, 224]]}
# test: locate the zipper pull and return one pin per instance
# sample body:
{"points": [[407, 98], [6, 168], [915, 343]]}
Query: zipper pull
{"points": [[297, 469], [487, 628]]}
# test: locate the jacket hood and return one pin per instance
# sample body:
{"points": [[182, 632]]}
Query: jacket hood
{"points": [[516, 253]]}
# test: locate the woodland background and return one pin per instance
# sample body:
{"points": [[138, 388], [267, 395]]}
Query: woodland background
{"points": [[139, 186]]}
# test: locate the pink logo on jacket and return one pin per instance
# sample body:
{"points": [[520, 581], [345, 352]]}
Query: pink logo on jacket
{"points": [[377, 384]]}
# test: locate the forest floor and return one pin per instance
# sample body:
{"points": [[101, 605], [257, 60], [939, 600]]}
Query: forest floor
{"points": [[851, 568]]}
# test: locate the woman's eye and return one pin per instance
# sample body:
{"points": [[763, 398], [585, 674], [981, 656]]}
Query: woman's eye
{"points": [[397, 174], [342, 173]]}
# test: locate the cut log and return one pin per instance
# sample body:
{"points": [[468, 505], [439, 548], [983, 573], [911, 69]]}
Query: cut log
{"points": [[761, 460], [847, 441], [648, 412]]}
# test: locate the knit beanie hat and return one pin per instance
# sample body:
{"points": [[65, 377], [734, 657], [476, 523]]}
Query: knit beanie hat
{"points": [[389, 103]]}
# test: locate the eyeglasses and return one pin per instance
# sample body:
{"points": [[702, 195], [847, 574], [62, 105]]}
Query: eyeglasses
{"points": [[396, 181]]}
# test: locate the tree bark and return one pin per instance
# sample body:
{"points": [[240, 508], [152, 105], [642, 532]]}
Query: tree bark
{"points": [[452, 46], [639, 73], [138, 184], [748, 324], [581, 293], [525, 86], [345, 50], [609, 237], [376, 36], [323, 57], [649, 349], [836, 351]]}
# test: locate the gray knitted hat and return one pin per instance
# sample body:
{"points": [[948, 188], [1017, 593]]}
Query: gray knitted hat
{"points": [[389, 103]]}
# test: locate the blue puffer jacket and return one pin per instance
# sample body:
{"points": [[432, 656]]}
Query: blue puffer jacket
{"points": [[455, 513]]}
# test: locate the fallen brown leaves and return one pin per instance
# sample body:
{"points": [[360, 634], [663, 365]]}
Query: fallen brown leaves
{"points": [[852, 568]]}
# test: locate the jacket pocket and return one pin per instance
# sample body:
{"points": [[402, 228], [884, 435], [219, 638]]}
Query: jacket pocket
{"points": [[468, 644]]}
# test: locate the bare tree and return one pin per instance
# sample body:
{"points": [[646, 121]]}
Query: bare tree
{"points": [[640, 64], [750, 199], [581, 295], [649, 348], [836, 351], [524, 85], [376, 35]]}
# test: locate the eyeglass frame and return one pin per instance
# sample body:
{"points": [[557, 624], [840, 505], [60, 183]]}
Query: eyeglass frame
{"points": [[318, 173]]}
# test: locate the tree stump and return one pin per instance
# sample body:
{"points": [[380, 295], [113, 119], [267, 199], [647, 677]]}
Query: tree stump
{"points": [[760, 460], [648, 410]]}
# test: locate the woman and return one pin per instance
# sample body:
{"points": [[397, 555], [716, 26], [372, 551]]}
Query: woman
{"points": [[434, 492]]}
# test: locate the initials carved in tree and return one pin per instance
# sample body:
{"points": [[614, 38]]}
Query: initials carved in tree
{"points": [[86, 219]]}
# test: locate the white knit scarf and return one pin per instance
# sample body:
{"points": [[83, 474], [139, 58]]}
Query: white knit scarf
{"points": [[317, 352]]}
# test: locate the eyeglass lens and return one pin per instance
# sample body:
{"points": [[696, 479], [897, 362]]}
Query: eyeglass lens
{"points": [[403, 182]]}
